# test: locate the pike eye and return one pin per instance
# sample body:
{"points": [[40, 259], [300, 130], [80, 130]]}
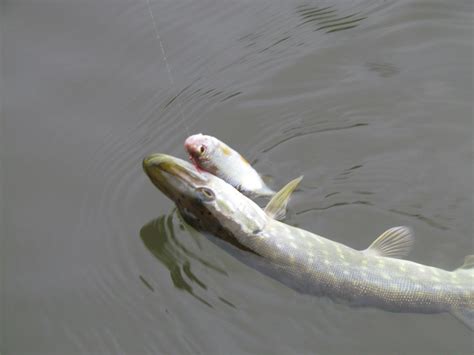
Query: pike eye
{"points": [[202, 149], [206, 193]]}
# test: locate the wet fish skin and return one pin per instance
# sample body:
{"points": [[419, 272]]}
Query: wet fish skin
{"points": [[212, 155], [311, 263], [359, 278]]}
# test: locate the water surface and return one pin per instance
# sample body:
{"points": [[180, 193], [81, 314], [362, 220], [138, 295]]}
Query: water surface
{"points": [[370, 100]]}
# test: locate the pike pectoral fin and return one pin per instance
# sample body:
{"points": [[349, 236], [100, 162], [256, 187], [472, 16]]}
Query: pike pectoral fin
{"points": [[466, 316], [276, 208], [395, 242]]}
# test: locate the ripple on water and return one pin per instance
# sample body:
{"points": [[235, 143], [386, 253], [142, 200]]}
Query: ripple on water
{"points": [[225, 72], [161, 117]]}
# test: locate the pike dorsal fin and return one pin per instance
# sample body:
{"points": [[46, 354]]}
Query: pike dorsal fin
{"points": [[468, 262], [276, 208], [395, 242]]}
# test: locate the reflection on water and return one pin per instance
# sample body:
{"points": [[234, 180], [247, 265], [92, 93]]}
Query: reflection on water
{"points": [[160, 238]]}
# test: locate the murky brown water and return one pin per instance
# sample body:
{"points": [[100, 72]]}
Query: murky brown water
{"points": [[370, 100]]}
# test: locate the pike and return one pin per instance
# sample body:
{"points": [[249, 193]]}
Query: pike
{"points": [[373, 277]]}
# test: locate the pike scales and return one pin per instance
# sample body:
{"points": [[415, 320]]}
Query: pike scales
{"points": [[360, 278]]}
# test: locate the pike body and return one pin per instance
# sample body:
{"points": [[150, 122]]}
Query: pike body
{"points": [[374, 277]]}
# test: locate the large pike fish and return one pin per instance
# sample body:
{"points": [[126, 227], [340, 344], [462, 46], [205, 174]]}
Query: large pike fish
{"points": [[374, 277]]}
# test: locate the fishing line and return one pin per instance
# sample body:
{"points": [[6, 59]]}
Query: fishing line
{"points": [[168, 68]]}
